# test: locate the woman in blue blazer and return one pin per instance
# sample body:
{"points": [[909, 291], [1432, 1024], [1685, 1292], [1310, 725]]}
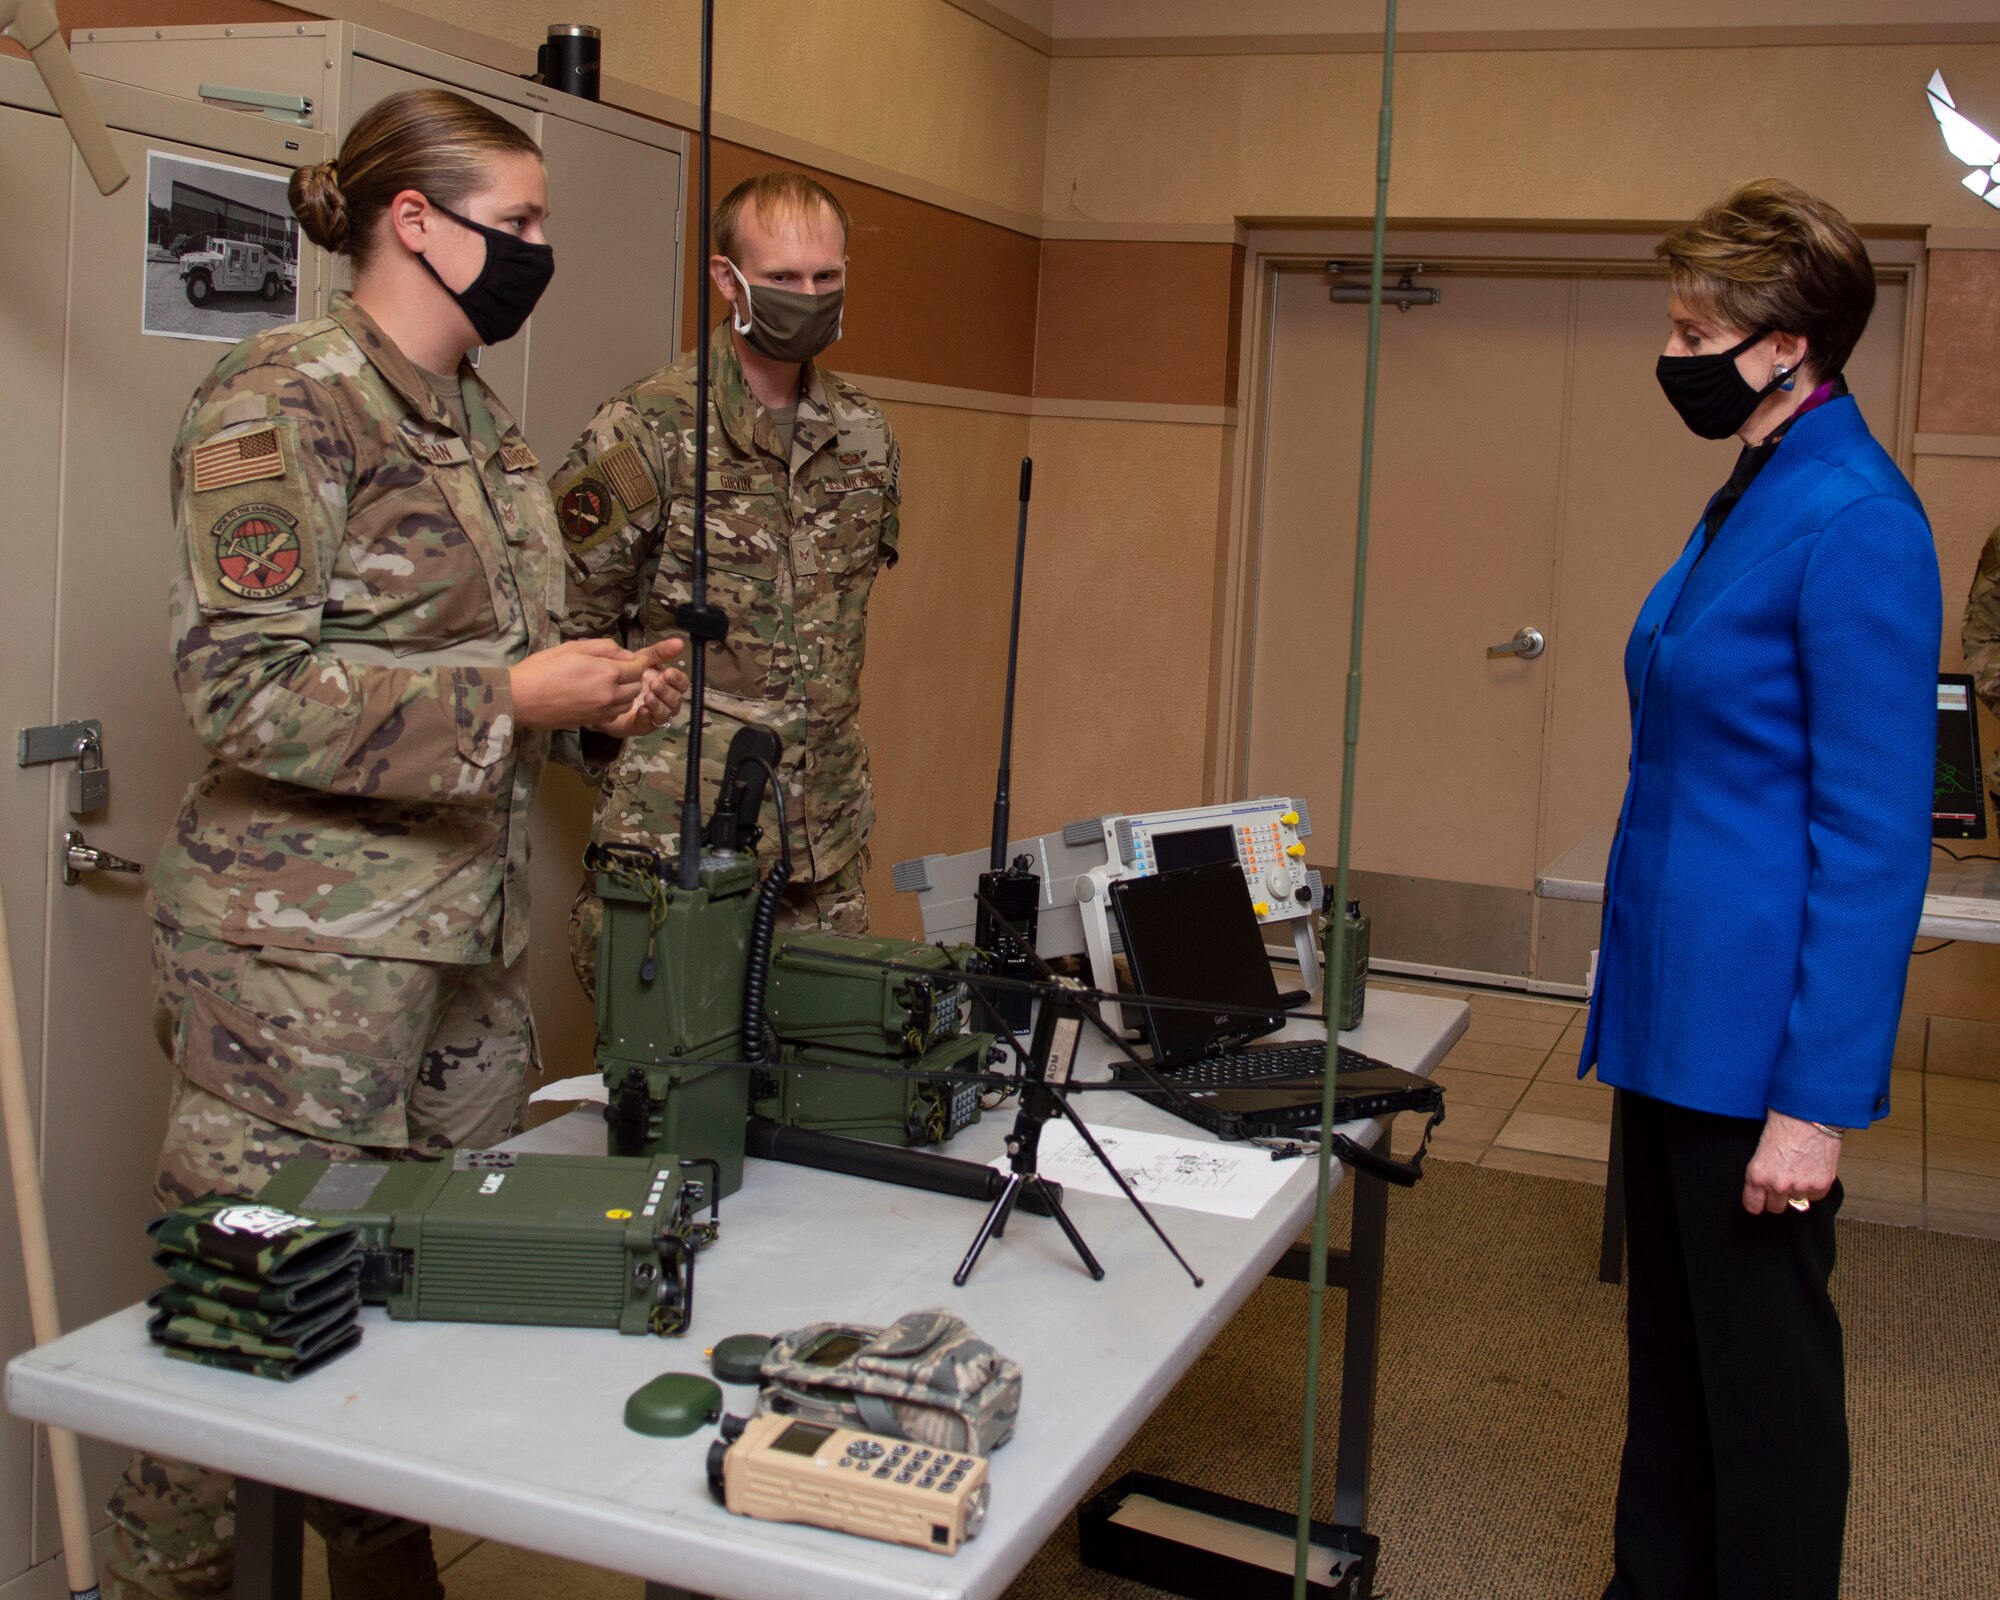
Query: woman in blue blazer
{"points": [[1759, 906]]}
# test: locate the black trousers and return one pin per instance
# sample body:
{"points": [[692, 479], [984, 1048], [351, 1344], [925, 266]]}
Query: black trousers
{"points": [[1734, 1479]]}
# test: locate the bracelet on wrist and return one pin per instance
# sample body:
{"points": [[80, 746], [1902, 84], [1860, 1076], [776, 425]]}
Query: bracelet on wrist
{"points": [[1831, 1133]]}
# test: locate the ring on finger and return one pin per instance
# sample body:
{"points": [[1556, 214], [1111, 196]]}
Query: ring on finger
{"points": [[1799, 1203]]}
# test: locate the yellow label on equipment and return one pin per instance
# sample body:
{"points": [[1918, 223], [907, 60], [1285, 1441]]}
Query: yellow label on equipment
{"points": [[619, 1216]]}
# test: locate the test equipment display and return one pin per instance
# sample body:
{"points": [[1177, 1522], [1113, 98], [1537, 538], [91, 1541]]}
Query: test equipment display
{"points": [[1958, 789]]}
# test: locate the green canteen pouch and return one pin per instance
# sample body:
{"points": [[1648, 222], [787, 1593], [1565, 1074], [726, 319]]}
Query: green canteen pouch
{"points": [[271, 1327], [264, 1367], [248, 1240], [251, 1294], [191, 1333], [926, 1377]]}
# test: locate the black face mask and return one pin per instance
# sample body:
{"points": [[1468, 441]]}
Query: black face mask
{"points": [[1710, 393], [500, 299]]}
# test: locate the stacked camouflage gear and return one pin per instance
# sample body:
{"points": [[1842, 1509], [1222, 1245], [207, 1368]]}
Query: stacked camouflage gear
{"points": [[254, 1289], [926, 1376], [796, 535]]}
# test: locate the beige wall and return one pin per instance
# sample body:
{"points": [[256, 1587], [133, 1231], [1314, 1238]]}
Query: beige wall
{"points": [[917, 86], [1583, 136]]}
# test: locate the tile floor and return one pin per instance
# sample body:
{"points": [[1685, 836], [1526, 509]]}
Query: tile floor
{"points": [[1515, 1101]]}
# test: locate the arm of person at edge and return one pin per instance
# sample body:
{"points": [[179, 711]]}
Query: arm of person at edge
{"points": [[1870, 619], [1979, 633], [263, 694]]}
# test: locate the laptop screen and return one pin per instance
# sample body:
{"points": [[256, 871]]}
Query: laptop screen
{"points": [[1958, 791], [1191, 935]]}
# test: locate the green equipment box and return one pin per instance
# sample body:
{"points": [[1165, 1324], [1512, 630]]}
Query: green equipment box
{"points": [[490, 1236]]}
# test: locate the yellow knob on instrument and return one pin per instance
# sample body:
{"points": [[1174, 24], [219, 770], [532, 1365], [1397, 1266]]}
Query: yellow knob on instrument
{"points": [[1261, 907], [1290, 819], [1295, 850]]}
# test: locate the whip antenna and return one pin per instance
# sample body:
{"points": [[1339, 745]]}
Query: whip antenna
{"points": [[703, 624], [1336, 955], [1012, 890]]}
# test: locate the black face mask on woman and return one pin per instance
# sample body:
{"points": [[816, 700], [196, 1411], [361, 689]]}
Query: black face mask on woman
{"points": [[512, 279], [1710, 394]]}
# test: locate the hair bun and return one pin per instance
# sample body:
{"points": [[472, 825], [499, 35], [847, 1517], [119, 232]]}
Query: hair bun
{"points": [[320, 206]]}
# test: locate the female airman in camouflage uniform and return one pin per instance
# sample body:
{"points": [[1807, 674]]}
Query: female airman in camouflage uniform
{"points": [[364, 614]]}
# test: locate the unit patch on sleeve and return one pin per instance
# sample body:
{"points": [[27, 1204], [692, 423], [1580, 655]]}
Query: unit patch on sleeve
{"points": [[588, 514], [239, 458], [257, 551], [628, 476]]}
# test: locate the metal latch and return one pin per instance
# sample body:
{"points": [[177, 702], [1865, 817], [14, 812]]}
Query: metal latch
{"points": [[76, 857]]}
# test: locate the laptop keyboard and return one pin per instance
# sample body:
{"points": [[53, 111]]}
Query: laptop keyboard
{"points": [[1244, 1067]]}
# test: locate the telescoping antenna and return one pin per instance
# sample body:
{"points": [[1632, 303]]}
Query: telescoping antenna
{"points": [[701, 622], [1015, 890]]}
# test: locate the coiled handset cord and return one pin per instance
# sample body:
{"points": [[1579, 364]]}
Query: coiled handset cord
{"points": [[757, 1038]]}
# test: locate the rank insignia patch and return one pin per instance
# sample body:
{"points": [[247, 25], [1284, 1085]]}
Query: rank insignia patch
{"points": [[587, 514], [628, 477], [241, 458], [257, 551]]}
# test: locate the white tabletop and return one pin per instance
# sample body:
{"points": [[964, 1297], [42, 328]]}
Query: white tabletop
{"points": [[1961, 901], [516, 1434]]}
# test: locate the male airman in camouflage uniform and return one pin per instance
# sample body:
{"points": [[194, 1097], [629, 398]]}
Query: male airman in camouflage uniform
{"points": [[341, 907], [802, 513], [1979, 636]]}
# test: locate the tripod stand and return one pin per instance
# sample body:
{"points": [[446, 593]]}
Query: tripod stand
{"points": [[1045, 1071]]}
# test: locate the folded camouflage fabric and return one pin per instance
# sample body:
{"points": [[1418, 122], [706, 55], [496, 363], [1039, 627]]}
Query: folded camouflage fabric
{"points": [[251, 1294], [263, 1366], [926, 1376], [272, 1327], [194, 1334], [252, 1241]]}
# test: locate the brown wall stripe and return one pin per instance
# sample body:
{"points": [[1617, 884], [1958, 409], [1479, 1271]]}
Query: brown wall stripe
{"points": [[1146, 322]]}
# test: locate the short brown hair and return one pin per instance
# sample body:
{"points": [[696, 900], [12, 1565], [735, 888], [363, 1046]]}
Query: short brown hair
{"points": [[430, 140], [1770, 256], [773, 194]]}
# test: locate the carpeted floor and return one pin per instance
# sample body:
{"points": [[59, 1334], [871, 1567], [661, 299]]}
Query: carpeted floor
{"points": [[1502, 1396]]}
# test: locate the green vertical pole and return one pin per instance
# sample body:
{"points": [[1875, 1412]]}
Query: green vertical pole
{"points": [[1336, 955]]}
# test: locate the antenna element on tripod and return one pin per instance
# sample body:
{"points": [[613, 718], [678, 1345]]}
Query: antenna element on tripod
{"points": [[1016, 889]]}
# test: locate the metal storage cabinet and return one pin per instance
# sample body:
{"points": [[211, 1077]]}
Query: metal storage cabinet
{"points": [[617, 190]]}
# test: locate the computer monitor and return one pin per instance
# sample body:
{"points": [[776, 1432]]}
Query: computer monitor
{"points": [[1190, 935], [1958, 791]]}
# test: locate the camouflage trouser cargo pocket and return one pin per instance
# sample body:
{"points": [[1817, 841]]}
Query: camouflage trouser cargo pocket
{"points": [[246, 1057]]}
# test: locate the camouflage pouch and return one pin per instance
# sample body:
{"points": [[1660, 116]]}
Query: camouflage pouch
{"points": [[247, 1240], [191, 1333], [252, 1294], [271, 1327], [264, 1367], [926, 1377]]}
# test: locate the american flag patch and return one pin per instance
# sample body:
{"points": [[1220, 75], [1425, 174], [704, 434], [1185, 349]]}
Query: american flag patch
{"points": [[518, 458], [241, 458], [628, 477]]}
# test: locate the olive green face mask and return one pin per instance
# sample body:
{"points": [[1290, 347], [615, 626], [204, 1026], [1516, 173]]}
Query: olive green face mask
{"points": [[784, 324]]}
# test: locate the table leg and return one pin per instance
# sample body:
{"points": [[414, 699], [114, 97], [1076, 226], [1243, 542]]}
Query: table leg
{"points": [[1366, 1247], [270, 1541], [1611, 1247]]}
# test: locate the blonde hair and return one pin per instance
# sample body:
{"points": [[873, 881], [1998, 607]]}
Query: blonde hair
{"points": [[431, 140], [772, 194], [1770, 256]]}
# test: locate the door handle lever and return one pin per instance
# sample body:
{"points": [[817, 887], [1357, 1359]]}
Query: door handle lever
{"points": [[1527, 644], [76, 858]]}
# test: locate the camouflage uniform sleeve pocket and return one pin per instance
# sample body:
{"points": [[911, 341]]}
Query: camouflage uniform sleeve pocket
{"points": [[483, 707], [281, 1077]]}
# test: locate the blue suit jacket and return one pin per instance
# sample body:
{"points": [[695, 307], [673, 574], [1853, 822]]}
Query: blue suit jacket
{"points": [[1771, 854]]}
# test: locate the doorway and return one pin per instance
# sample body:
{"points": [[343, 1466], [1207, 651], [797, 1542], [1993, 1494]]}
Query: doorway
{"points": [[1528, 475]]}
